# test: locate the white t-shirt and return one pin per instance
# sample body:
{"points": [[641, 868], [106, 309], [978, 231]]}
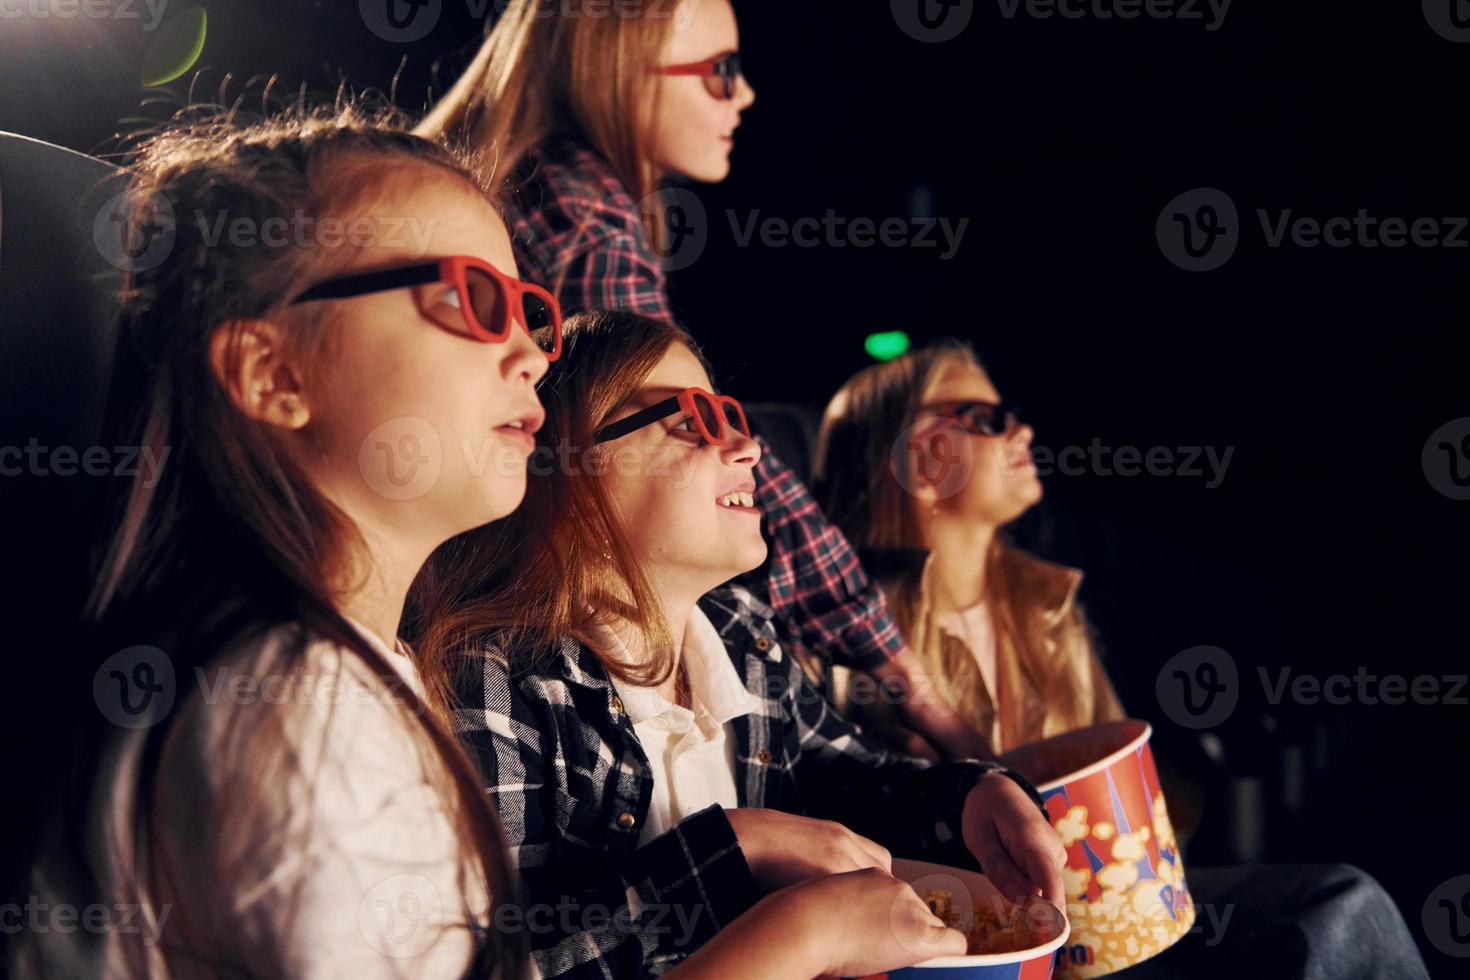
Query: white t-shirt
{"points": [[348, 864], [690, 753]]}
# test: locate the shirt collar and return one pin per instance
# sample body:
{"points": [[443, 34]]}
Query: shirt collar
{"points": [[714, 684]]}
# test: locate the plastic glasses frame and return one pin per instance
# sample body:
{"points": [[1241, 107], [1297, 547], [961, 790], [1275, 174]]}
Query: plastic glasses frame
{"points": [[451, 271]]}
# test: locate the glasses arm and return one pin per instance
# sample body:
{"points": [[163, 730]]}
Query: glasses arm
{"points": [[638, 420], [372, 282]]}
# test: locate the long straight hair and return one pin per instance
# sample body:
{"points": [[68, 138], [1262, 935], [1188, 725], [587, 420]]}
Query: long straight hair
{"points": [[561, 565], [574, 69], [234, 540], [863, 495]]}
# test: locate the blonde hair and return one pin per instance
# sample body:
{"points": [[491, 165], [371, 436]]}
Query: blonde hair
{"points": [[555, 68], [1042, 646]]}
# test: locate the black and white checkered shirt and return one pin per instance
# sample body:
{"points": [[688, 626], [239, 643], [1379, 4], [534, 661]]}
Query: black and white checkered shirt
{"points": [[571, 784]]}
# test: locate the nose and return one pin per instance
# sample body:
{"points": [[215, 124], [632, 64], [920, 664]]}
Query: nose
{"points": [[1022, 434], [744, 93], [742, 450], [523, 359]]}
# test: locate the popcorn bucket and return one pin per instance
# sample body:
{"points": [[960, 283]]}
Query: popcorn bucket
{"points": [[971, 894], [1126, 895]]}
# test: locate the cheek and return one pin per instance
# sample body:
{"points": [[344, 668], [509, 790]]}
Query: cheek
{"points": [[688, 125]]}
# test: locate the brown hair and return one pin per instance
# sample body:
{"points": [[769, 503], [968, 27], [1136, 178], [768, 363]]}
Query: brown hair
{"points": [[234, 540], [858, 488], [560, 68], [560, 565]]}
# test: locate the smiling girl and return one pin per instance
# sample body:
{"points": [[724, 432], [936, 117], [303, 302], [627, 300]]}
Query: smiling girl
{"points": [[647, 740], [289, 801], [588, 109]]}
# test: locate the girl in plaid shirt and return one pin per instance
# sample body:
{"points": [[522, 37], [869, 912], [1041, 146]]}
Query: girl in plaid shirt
{"points": [[657, 759], [587, 110]]}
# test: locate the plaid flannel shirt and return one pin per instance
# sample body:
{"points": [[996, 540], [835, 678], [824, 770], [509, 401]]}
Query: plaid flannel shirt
{"points": [[571, 784], [576, 224]]}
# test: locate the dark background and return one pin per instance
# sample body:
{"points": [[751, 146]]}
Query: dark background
{"points": [[1326, 547]]}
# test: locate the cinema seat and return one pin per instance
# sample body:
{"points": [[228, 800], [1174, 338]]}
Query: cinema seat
{"points": [[57, 333]]}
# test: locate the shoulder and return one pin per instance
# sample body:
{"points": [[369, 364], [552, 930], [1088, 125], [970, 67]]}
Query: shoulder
{"points": [[572, 189], [505, 680], [319, 700]]}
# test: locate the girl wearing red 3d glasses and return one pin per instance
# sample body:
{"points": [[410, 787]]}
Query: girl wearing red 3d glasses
{"points": [[650, 745], [588, 108], [260, 776]]}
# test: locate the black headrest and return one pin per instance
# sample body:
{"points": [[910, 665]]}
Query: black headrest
{"points": [[59, 281]]}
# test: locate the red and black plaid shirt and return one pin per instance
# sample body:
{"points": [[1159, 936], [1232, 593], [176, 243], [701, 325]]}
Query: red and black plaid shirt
{"points": [[576, 225]]}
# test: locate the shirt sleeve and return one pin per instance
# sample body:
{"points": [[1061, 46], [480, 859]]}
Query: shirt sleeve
{"points": [[814, 580], [348, 863], [589, 914], [911, 806]]}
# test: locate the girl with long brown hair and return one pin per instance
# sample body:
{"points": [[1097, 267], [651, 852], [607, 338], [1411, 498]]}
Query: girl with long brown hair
{"points": [[922, 465], [336, 362], [589, 109], [647, 740]]}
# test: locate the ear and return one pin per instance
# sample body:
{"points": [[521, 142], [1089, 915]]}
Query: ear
{"points": [[933, 455], [249, 359]]}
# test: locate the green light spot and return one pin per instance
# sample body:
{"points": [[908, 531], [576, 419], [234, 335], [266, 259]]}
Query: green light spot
{"points": [[176, 48], [887, 346]]}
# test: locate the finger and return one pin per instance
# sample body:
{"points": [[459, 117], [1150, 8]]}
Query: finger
{"points": [[876, 852], [1042, 872], [943, 941], [928, 935], [1006, 876]]}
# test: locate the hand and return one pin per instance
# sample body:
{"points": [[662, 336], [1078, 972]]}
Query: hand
{"points": [[1021, 853], [863, 922], [923, 709], [783, 848]]}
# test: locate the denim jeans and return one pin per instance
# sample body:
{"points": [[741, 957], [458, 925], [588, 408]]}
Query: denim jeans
{"points": [[1263, 922]]}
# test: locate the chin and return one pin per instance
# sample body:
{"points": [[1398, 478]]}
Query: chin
{"points": [[711, 172]]}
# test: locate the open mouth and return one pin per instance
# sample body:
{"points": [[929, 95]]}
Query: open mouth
{"points": [[738, 500], [524, 428]]}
